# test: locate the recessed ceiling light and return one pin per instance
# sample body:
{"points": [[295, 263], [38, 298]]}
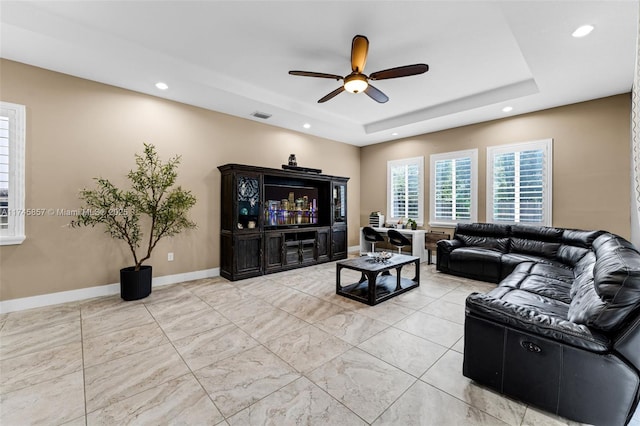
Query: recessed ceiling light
{"points": [[162, 86], [306, 125], [507, 109], [582, 31], [394, 134]]}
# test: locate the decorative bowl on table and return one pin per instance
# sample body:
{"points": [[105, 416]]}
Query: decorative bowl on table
{"points": [[380, 256]]}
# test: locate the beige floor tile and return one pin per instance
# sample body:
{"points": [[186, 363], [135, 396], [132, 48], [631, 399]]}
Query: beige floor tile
{"points": [[403, 350], [307, 307], [39, 339], [121, 343], [113, 381], [459, 346], [425, 405], [446, 310], [239, 381], [307, 348], [178, 401], [351, 327], [34, 319], [298, 403], [183, 304], [437, 330], [363, 383], [535, 417], [458, 296], [446, 375], [247, 306], [36, 367], [52, 402], [104, 305], [387, 312], [132, 316], [214, 345], [413, 300], [190, 323], [270, 324]]}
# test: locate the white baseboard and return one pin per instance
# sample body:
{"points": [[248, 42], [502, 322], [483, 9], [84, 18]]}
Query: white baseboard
{"points": [[354, 249], [101, 290]]}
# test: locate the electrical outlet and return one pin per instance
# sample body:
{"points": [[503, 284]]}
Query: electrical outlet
{"points": [[170, 257]]}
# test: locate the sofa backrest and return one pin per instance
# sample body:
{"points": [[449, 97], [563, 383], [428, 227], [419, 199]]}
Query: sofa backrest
{"points": [[486, 235], [575, 245], [606, 296], [536, 240]]}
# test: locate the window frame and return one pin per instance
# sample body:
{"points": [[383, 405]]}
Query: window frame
{"points": [[15, 234], [453, 155], [546, 145], [419, 161]]}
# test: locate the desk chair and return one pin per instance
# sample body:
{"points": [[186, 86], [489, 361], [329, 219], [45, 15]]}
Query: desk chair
{"points": [[397, 239], [372, 236]]}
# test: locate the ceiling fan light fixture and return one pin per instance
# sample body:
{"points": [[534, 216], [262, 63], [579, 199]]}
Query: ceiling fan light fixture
{"points": [[583, 31], [355, 83]]}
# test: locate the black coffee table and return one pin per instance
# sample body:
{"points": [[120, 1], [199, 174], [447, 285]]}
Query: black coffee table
{"points": [[376, 283]]}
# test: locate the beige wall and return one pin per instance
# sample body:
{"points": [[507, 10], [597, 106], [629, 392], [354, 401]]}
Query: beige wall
{"points": [[78, 129], [591, 158]]}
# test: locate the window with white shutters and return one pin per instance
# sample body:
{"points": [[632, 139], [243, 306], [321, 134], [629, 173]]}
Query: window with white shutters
{"points": [[519, 183], [454, 187], [405, 194], [12, 148]]}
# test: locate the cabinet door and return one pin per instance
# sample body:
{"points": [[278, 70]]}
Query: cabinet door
{"points": [[323, 244], [292, 252], [339, 203], [338, 242], [247, 255], [247, 209], [274, 250], [308, 251]]}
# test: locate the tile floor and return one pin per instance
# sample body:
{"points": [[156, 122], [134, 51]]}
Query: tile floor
{"points": [[281, 349]]}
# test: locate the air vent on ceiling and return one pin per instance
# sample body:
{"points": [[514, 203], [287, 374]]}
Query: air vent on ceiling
{"points": [[262, 115]]}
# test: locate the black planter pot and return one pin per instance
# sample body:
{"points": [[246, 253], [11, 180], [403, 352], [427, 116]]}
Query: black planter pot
{"points": [[134, 284]]}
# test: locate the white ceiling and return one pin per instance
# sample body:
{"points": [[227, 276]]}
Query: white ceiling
{"points": [[234, 56]]}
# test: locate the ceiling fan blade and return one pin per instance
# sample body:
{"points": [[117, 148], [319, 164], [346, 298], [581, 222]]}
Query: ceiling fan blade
{"points": [[404, 71], [331, 95], [376, 94], [359, 49], [316, 74]]}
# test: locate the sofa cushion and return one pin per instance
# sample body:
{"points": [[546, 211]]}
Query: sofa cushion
{"points": [[524, 311], [580, 238], [511, 261], [535, 247], [571, 255], [476, 262], [541, 283], [538, 233], [500, 244], [607, 296], [483, 229]]}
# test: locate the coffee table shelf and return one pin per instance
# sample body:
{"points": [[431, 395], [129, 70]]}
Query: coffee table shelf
{"points": [[376, 283]]}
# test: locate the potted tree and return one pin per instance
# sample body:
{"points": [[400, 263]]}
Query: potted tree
{"points": [[151, 202]]}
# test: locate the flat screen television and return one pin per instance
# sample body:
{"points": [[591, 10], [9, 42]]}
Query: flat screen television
{"points": [[290, 206]]}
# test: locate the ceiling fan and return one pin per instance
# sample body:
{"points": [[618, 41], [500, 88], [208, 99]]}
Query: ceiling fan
{"points": [[357, 81]]}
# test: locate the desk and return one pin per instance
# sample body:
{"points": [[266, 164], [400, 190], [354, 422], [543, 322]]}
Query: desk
{"points": [[431, 242], [416, 237]]}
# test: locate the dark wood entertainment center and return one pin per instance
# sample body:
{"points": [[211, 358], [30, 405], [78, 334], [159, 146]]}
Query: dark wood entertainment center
{"points": [[273, 220]]}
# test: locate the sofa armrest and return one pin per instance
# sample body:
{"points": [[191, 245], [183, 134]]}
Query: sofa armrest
{"points": [[444, 249], [529, 320]]}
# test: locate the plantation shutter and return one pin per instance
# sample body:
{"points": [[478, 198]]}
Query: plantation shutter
{"points": [[453, 189], [4, 173], [521, 192], [405, 189]]}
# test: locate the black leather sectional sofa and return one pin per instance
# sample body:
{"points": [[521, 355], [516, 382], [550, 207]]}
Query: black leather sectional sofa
{"points": [[561, 331]]}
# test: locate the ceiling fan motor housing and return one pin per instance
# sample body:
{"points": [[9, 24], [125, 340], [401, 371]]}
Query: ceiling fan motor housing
{"points": [[355, 82]]}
